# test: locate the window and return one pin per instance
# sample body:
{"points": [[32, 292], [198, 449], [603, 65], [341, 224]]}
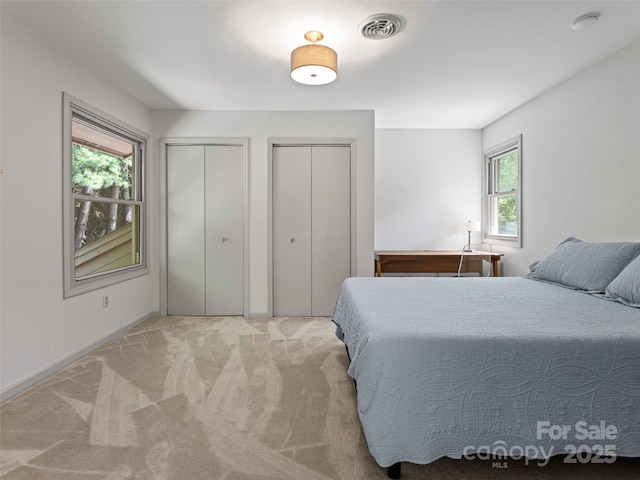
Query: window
{"points": [[104, 209], [502, 200]]}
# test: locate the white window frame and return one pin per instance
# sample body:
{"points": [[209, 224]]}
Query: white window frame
{"points": [[72, 286], [488, 191]]}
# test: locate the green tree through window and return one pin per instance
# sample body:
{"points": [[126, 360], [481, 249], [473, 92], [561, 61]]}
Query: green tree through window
{"points": [[104, 175], [507, 181]]}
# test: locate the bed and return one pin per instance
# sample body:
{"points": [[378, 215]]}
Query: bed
{"points": [[522, 367]]}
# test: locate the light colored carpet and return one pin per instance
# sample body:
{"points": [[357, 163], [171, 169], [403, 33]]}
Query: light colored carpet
{"points": [[190, 398]]}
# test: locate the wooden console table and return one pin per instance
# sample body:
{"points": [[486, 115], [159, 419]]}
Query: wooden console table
{"points": [[433, 261]]}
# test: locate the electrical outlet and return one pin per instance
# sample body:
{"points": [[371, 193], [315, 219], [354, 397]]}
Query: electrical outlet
{"points": [[105, 301]]}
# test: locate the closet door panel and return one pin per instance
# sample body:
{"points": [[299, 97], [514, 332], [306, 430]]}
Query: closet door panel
{"points": [[185, 231], [292, 231], [331, 225], [224, 231]]}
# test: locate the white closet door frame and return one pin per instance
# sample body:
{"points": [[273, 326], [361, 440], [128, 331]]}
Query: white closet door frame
{"points": [[162, 195], [311, 142]]}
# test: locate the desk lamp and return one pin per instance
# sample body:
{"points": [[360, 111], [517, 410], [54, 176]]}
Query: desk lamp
{"points": [[470, 227]]}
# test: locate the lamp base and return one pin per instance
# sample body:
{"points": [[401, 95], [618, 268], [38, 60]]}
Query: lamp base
{"points": [[467, 247]]}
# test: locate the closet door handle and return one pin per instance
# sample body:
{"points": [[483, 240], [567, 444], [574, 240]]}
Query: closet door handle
{"points": [[225, 239], [293, 240]]}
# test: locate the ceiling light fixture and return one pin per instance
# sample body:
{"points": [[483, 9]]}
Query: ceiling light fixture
{"points": [[585, 21], [314, 64]]}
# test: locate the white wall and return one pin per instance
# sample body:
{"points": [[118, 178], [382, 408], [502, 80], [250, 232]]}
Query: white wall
{"points": [[38, 327], [427, 185], [581, 163], [259, 127]]}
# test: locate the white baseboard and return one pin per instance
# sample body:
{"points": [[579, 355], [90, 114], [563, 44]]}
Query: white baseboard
{"points": [[20, 385]]}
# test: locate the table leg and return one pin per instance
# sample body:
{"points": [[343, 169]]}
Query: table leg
{"points": [[496, 270], [378, 268]]}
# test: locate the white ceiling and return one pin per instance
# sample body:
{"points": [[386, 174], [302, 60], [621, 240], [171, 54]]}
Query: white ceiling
{"points": [[457, 64]]}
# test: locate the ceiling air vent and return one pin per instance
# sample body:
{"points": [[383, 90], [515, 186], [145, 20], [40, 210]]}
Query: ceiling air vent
{"points": [[381, 26]]}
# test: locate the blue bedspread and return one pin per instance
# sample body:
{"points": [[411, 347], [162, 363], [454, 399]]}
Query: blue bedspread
{"points": [[456, 366]]}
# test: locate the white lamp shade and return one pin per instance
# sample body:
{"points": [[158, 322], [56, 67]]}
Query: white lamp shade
{"points": [[472, 226], [314, 65]]}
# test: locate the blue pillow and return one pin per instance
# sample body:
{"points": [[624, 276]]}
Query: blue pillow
{"points": [[626, 287], [586, 266]]}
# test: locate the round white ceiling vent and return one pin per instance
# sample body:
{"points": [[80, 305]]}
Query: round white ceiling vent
{"points": [[586, 21], [381, 26]]}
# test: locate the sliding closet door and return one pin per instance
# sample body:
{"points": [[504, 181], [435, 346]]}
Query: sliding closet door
{"points": [[292, 231], [205, 230], [185, 230], [224, 225], [331, 225]]}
